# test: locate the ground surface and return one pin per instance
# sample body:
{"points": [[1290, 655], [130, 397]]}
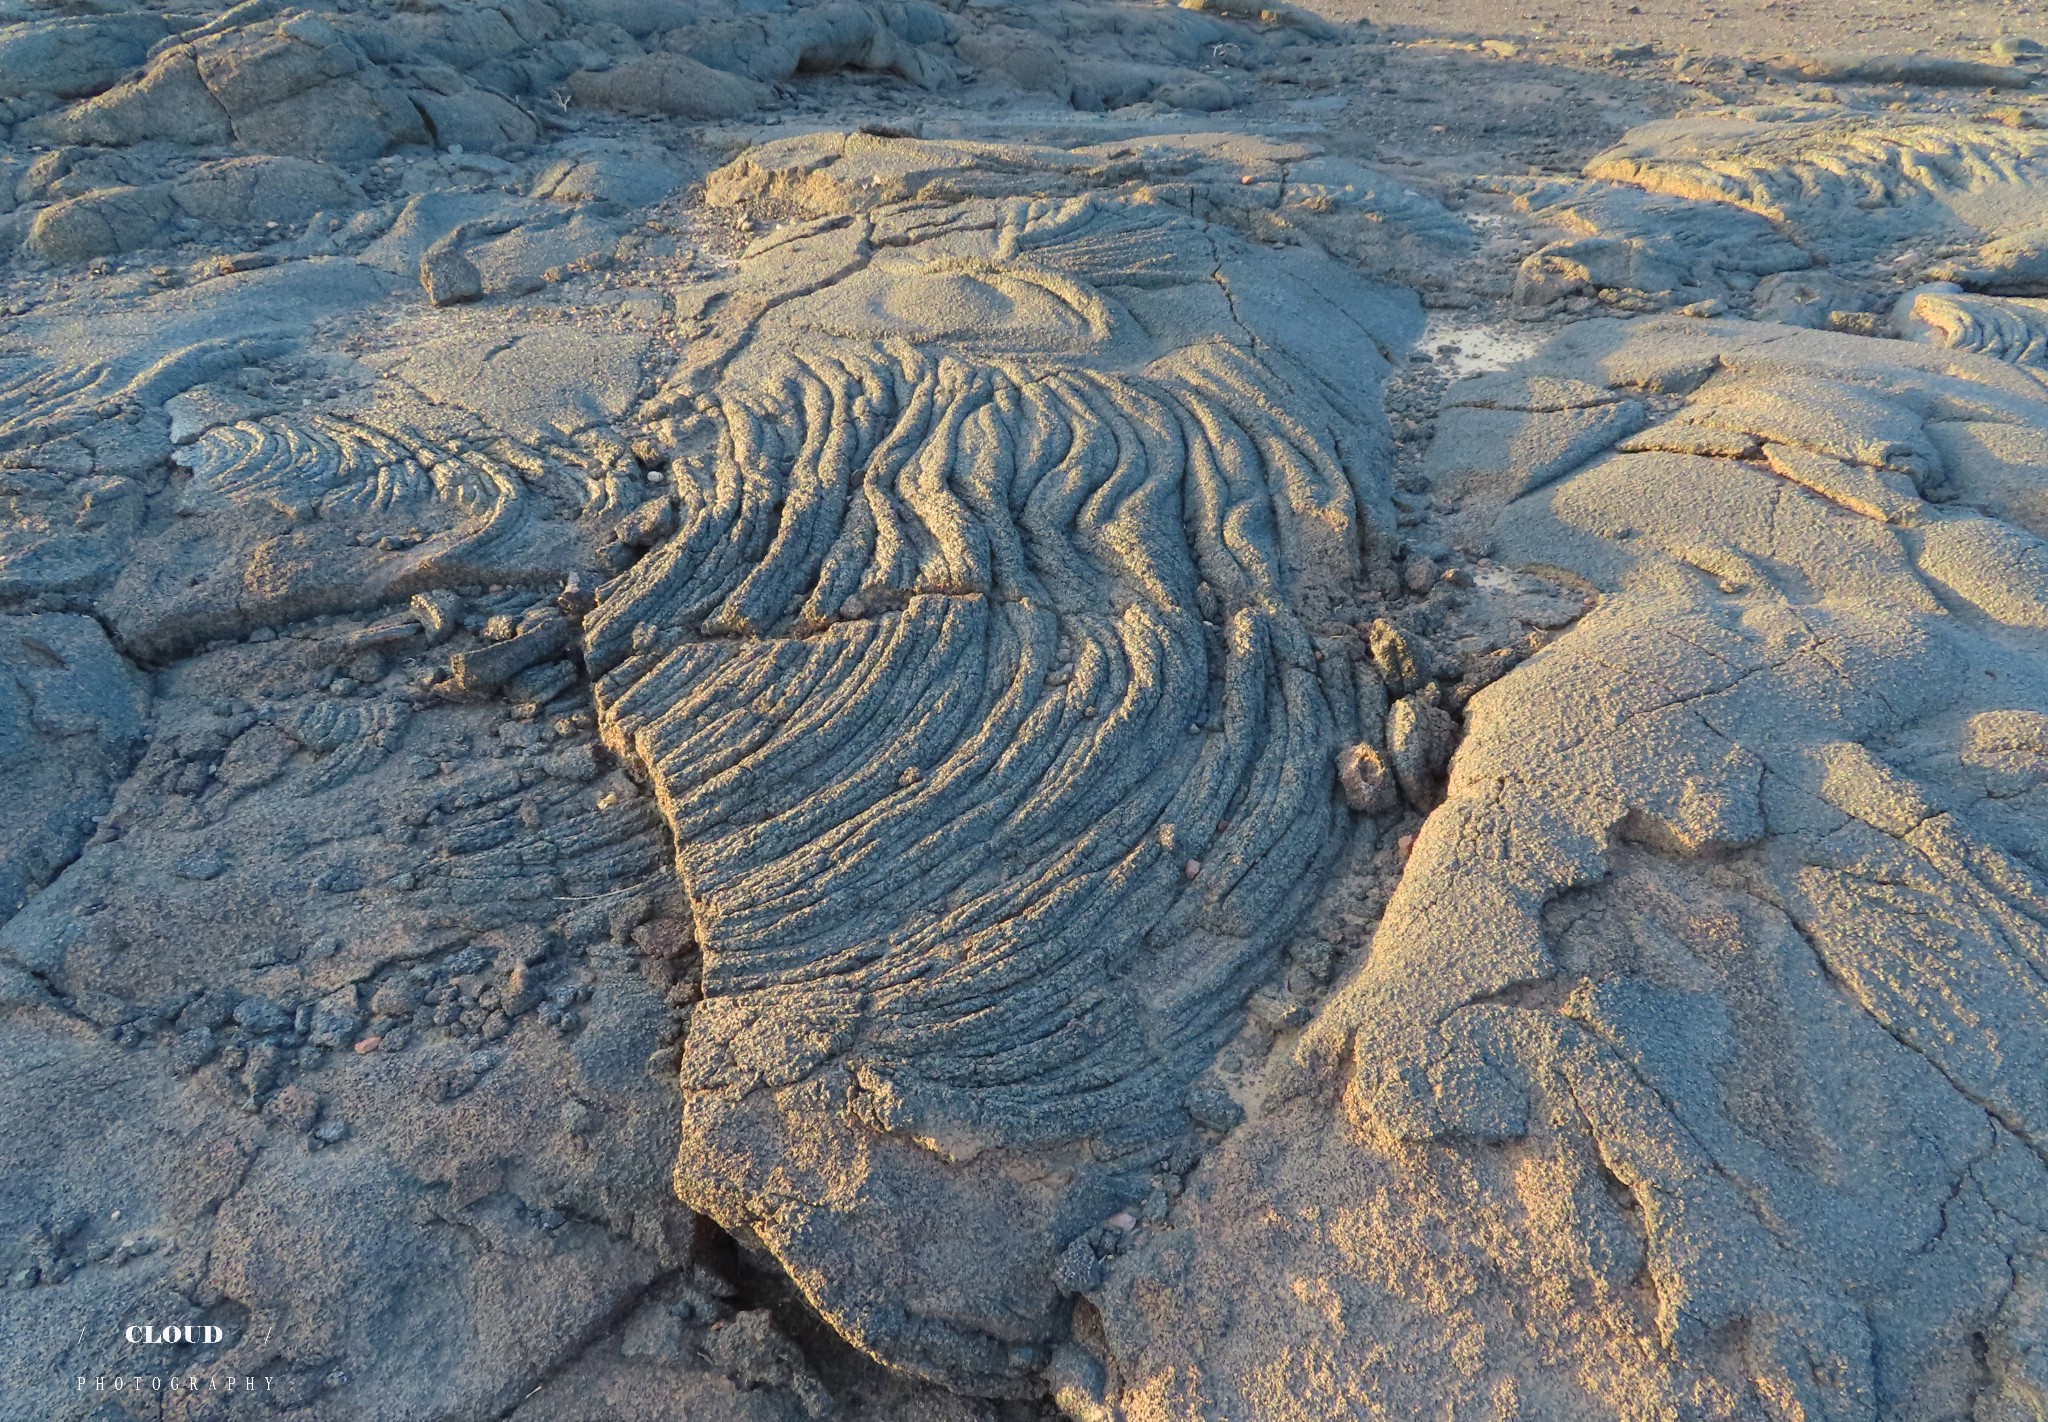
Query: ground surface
{"points": [[1784, 25], [755, 710]]}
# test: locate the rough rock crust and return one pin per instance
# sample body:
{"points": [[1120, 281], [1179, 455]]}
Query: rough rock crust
{"points": [[1682, 951], [771, 710], [986, 614]]}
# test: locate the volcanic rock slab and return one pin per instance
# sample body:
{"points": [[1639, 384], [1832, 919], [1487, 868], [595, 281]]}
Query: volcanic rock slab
{"points": [[738, 710], [2013, 329], [1706, 205], [71, 718], [979, 688], [1705, 1022]]}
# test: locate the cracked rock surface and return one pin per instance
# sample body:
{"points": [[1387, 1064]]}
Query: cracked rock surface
{"points": [[976, 712]]}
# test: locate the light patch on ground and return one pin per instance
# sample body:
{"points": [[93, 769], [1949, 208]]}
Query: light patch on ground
{"points": [[1464, 347]]}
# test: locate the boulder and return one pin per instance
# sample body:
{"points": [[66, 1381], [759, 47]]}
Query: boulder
{"points": [[75, 56], [296, 86], [300, 87], [100, 224], [449, 277], [671, 84], [248, 192], [458, 114], [169, 103]]}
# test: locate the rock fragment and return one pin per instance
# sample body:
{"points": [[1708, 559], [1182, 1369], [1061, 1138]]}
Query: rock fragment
{"points": [[1369, 786], [488, 668], [1213, 1108], [649, 524], [1396, 657], [336, 1018], [437, 613], [1420, 738], [539, 684], [450, 278], [395, 997], [754, 1351]]}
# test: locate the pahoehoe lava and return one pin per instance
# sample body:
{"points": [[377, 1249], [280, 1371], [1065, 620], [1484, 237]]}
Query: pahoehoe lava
{"points": [[985, 619], [742, 710]]}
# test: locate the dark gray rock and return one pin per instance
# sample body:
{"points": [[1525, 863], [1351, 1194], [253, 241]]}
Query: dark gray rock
{"points": [[450, 278], [75, 56], [71, 721], [250, 192], [101, 224], [260, 1017], [671, 84], [336, 1018], [488, 668]]}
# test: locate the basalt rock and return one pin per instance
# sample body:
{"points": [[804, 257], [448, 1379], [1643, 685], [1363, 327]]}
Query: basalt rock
{"points": [[2011, 329], [956, 980], [100, 224], [254, 191], [75, 56], [1744, 873], [71, 721], [1852, 187], [308, 505], [868, 785]]}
